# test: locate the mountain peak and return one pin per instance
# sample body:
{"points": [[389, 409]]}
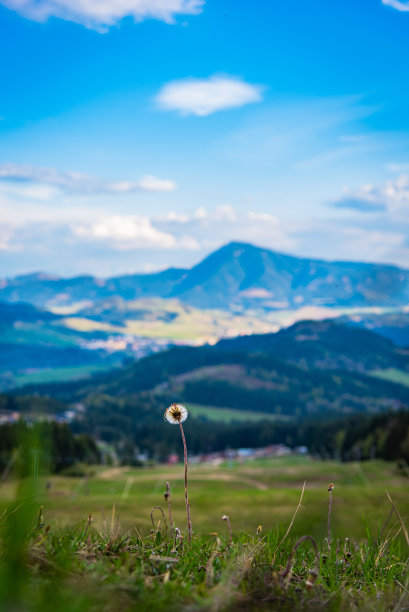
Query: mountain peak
{"points": [[237, 276]]}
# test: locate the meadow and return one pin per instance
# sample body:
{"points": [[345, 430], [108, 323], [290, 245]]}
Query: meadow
{"points": [[91, 542]]}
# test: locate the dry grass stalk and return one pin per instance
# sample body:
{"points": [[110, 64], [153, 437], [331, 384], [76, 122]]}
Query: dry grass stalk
{"points": [[168, 498], [291, 524], [286, 575], [227, 519], [163, 514], [209, 577], [330, 490], [88, 525], [400, 518]]}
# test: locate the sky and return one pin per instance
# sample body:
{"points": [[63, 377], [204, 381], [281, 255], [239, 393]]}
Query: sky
{"points": [[137, 135]]}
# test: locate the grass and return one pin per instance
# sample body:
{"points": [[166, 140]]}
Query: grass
{"points": [[262, 491], [393, 375], [227, 415], [63, 558]]}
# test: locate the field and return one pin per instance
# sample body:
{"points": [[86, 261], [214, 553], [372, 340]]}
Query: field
{"points": [[94, 545], [393, 375], [227, 415], [173, 320], [263, 491]]}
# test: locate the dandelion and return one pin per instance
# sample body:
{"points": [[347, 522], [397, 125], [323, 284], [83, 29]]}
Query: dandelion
{"points": [[175, 415]]}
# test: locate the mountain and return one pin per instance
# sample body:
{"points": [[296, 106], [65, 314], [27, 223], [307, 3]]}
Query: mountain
{"points": [[238, 276]]}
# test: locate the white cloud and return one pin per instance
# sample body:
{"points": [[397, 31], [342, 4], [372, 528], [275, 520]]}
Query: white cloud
{"points": [[398, 5], [224, 212], [152, 183], [202, 97], [126, 232], [74, 182], [101, 14]]}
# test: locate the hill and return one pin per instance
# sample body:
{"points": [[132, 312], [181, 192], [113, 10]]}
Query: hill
{"points": [[391, 325], [36, 345], [324, 345], [311, 368], [237, 276]]}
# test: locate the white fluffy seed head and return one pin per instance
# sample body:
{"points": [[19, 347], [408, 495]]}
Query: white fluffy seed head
{"points": [[175, 414]]}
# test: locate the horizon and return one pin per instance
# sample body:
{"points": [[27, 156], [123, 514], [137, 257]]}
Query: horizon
{"points": [[284, 126], [51, 276]]}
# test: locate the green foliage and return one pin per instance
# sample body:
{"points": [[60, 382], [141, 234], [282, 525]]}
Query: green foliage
{"points": [[42, 447]]}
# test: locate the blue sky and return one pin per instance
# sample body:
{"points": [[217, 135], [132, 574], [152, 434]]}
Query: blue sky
{"points": [[135, 135]]}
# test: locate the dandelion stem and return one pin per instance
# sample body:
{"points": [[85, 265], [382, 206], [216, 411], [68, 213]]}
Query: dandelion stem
{"points": [[329, 517], [189, 524]]}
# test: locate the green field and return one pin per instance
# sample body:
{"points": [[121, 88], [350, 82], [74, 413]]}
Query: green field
{"points": [[255, 492], [393, 375], [91, 545], [227, 415]]}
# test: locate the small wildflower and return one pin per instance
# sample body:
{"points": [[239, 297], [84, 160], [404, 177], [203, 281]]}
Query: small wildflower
{"points": [[331, 486], [259, 529], [175, 414], [227, 519]]}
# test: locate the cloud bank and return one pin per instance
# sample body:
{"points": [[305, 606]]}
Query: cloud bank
{"points": [[101, 14], [391, 197], [202, 97], [127, 232], [77, 182]]}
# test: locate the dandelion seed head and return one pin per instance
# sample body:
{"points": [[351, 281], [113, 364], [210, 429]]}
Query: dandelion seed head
{"points": [[175, 414]]}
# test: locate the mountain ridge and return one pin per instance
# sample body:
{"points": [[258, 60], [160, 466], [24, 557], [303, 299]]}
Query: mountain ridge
{"points": [[237, 276], [311, 367]]}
